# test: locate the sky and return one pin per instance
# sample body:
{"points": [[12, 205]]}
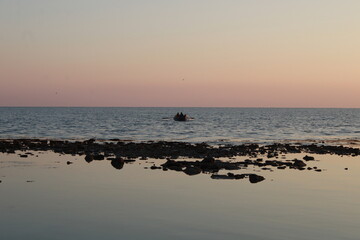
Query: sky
{"points": [[199, 53]]}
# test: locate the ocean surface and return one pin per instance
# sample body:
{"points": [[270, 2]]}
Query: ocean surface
{"points": [[45, 198], [211, 125], [52, 196]]}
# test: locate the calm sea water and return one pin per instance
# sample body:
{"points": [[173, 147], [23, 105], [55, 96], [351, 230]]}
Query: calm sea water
{"points": [[44, 198], [212, 125]]}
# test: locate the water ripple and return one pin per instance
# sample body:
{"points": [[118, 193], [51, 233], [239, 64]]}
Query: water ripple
{"points": [[210, 124]]}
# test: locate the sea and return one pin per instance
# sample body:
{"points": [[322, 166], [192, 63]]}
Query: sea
{"points": [[210, 125], [48, 195]]}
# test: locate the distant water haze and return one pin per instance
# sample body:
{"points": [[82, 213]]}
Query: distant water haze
{"points": [[180, 53]]}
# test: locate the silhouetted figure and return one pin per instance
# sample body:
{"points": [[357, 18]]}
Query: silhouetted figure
{"points": [[180, 117]]}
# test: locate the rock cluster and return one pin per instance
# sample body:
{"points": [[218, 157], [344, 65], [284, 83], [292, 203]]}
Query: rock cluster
{"points": [[121, 152], [163, 149]]}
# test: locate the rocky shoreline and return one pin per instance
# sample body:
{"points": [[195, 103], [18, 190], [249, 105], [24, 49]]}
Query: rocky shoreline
{"points": [[164, 149], [264, 157]]}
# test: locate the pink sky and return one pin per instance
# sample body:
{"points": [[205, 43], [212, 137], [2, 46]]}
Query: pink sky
{"points": [[210, 54]]}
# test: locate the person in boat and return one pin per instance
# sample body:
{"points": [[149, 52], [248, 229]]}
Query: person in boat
{"points": [[180, 117]]}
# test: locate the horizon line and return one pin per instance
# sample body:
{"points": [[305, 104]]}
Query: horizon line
{"points": [[173, 107]]}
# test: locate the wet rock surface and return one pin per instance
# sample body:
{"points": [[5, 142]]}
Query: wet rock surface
{"points": [[308, 158], [206, 157], [117, 163], [299, 164], [96, 150], [192, 170], [213, 166]]}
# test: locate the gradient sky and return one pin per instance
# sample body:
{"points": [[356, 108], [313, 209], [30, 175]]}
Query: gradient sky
{"points": [[228, 53]]}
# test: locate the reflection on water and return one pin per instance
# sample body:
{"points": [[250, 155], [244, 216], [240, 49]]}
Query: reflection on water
{"points": [[45, 198]]}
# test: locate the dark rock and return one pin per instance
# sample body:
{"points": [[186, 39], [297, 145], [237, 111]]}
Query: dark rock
{"points": [[308, 158], [69, 162], [192, 171], [164, 149], [299, 163], [169, 162], [177, 168], [117, 163], [89, 158], [346, 168], [220, 177], [99, 157], [239, 176], [153, 167], [23, 156], [173, 165], [209, 167], [129, 160], [208, 160], [253, 178], [318, 170], [209, 164]]}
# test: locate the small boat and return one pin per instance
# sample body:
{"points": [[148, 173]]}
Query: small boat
{"points": [[181, 117]]}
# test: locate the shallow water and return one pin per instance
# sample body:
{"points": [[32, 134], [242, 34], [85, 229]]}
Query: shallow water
{"points": [[96, 201], [212, 125]]}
